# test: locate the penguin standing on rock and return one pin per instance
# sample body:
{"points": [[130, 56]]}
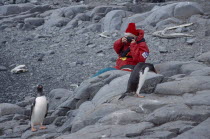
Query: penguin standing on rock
{"points": [[137, 79], [39, 109]]}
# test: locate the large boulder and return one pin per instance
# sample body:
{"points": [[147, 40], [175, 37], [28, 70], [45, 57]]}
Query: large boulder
{"points": [[169, 68], [58, 96], [199, 132], [89, 114], [121, 117], [173, 112], [15, 9], [190, 67], [201, 98], [109, 131], [201, 72], [7, 109], [184, 85], [113, 20], [160, 13], [187, 9], [34, 21], [205, 57]]}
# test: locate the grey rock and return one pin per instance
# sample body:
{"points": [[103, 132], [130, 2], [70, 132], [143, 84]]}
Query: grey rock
{"points": [[190, 41], [201, 98], [85, 118], [201, 131], [21, 128], [90, 87], [158, 134], [162, 49], [60, 111], [20, 117], [7, 109], [59, 121], [205, 57], [58, 96], [66, 125], [9, 9], [6, 118], [121, 117], [187, 9], [34, 21], [3, 68], [169, 68], [201, 72], [108, 131], [174, 112], [49, 120], [198, 19], [171, 20], [207, 32], [184, 85], [190, 67], [72, 24], [71, 11], [28, 134], [40, 8], [176, 127], [94, 28], [113, 20]]}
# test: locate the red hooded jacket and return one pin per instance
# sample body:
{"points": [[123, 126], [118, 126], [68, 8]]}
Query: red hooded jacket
{"points": [[138, 51]]}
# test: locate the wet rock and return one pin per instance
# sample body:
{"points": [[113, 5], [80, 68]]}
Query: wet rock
{"points": [[7, 109]]}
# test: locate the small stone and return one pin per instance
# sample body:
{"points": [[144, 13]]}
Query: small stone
{"points": [[3, 68], [92, 45], [207, 32], [79, 63], [59, 121], [162, 49], [190, 41], [49, 120], [41, 56]]}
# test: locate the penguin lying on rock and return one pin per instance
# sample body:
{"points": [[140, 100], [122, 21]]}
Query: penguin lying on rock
{"points": [[39, 109], [137, 79]]}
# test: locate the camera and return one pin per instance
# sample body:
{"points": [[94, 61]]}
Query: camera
{"points": [[129, 38]]}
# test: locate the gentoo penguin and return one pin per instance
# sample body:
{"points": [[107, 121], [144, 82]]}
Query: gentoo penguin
{"points": [[137, 79], [39, 109]]}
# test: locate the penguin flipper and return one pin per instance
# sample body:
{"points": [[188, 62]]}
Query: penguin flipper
{"points": [[47, 110], [32, 107]]}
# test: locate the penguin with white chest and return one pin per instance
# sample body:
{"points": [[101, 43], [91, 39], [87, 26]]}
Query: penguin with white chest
{"points": [[39, 109], [137, 79]]}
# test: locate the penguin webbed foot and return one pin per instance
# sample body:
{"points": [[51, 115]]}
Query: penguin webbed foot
{"points": [[33, 129], [42, 127]]}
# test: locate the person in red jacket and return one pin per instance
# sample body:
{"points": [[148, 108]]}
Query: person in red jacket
{"points": [[131, 48]]}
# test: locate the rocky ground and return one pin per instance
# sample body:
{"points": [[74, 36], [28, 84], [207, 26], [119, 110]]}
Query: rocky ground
{"points": [[61, 45]]}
